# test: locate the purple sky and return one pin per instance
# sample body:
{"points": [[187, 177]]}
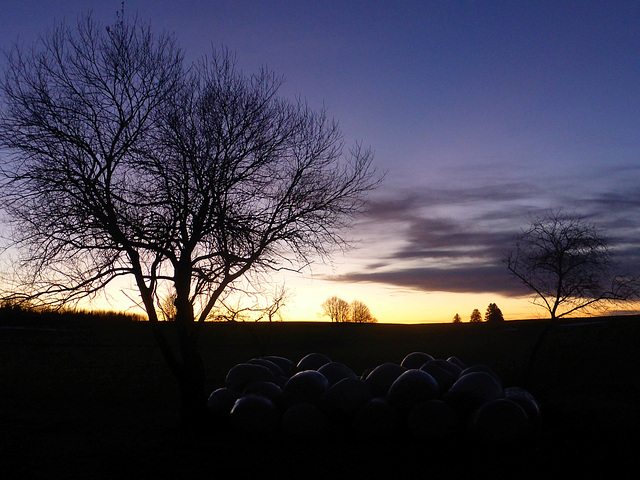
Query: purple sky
{"points": [[480, 111]]}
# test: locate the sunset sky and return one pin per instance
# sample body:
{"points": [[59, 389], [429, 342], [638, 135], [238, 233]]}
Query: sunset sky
{"points": [[481, 112]]}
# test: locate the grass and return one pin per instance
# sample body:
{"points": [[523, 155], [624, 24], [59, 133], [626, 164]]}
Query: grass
{"points": [[92, 398]]}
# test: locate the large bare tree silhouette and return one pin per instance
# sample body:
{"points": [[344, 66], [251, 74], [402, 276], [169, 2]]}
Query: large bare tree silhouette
{"points": [[119, 161]]}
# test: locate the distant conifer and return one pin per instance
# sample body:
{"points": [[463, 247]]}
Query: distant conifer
{"points": [[493, 314], [476, 316]]}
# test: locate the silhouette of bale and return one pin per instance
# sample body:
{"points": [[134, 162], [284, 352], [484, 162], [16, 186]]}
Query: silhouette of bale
{"points": [[379, 380], [285, 364], [416, 360], [377, 419], [529, 404], [450, 367], [434, 420], [336, 371], [274, 367], [221, 401], [254, 416], [343, 399], [435, 401], [268, 390], [482, 368], [472, 390], [456, 361], [444, 377], [242, 374], [411, 387], [312, 361], [304, 420], [278, 373], [307, 386], [499, 421]]}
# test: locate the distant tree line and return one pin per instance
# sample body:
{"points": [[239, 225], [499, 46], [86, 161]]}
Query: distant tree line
{"points": [[16, 313], [492, 315], [341, 311]]}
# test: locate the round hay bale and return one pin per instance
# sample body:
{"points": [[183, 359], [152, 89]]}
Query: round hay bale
{"points": [[336, 371], [455, 360], [268, 390], [434, 420], [416, 360], [482, 368], [412, 387], [344, 398], [241, 375], [312, 361], [379, 380], [284, 363], [472, 390], [274, 367], [254, 416], [221, 401], [304, 420], [444, 377], [377, 419], [451, 367], [307, 386], [529, 404], [499, 421]]}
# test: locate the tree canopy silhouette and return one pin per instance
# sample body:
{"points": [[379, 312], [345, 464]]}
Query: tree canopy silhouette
{"points": [[493, 314], [121, 161], [337, 309], [475, 316], [360, 313], [567, 263]]}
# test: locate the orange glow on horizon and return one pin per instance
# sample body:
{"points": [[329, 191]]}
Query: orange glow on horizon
{"points": [[388, 304]]}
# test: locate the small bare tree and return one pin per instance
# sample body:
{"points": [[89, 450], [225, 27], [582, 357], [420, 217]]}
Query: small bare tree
{"points": [[360, 313], [121, 162], [567, 263], [251, 306], [337, 309]]}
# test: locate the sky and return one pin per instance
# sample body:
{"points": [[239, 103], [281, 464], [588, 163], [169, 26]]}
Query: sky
{"points": [[480, 113]]}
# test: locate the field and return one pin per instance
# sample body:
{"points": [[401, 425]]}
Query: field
{"points": [[93, 399]]}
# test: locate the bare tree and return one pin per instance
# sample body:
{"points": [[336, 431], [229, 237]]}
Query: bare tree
{"points": [[360, 313], [277, 303], [166, 306], [246, 305], [337, 309], [567, 263], [121, 162]]}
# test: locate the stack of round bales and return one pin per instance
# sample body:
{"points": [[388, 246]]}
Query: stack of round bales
{"points": [[423, 397]]}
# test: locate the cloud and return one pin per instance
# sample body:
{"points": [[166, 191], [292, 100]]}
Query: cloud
{"points": [[471, 279], [455, 240]]}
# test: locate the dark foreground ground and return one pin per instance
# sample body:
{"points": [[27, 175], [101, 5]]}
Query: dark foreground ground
{"points": [[94, 400]]}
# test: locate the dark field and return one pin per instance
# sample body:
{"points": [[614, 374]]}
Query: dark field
{"points": [[94, 400]]}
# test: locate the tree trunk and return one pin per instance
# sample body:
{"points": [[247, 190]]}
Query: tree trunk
{"points": [[528, 372], [191, 382], [187, 367], [191, 375]]}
